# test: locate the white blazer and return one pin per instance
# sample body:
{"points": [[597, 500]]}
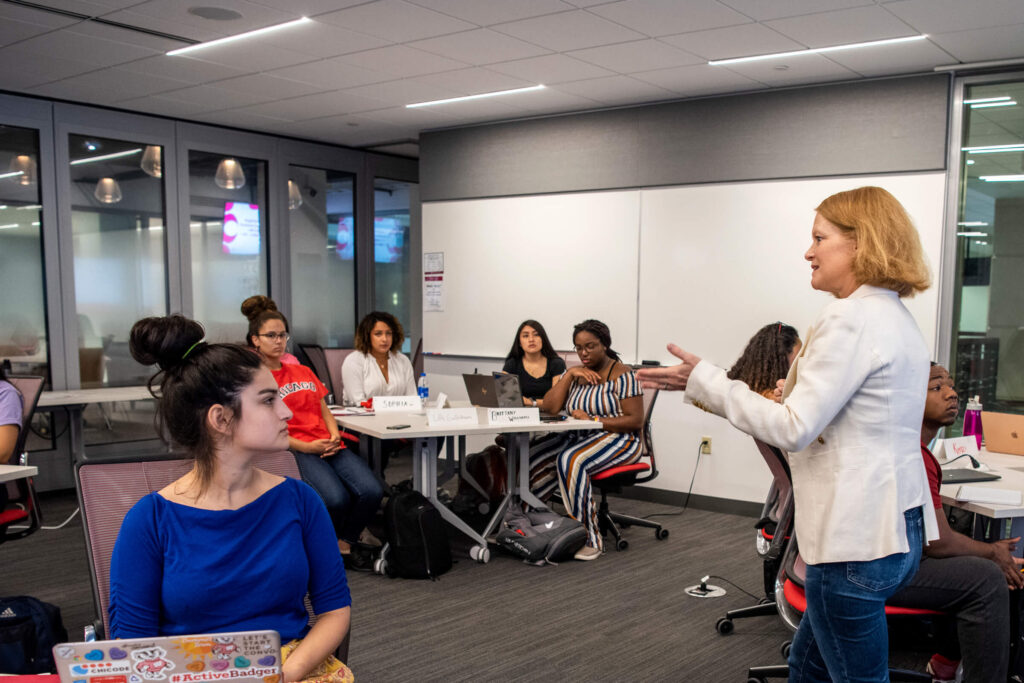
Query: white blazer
{"points": [[362, 377], [851, 422]]}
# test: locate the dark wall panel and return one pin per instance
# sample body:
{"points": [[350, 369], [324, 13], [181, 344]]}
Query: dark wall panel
{"points": [[880, 126]]}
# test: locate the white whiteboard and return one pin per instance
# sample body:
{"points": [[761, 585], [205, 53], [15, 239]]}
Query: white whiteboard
{"points": [[558, 259], [703, 266], [719, 261]]}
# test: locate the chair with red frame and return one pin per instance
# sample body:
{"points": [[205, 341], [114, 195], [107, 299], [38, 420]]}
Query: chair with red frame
{"points": [[23, 507], [773, 533], [107, 490], [614, 479], [792, 602]]}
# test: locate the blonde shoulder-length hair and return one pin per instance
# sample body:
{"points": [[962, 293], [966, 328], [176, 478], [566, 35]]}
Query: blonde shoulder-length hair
{"points": [[889, 252]]}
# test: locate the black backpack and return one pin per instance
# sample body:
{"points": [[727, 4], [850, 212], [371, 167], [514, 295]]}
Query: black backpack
{"points": [[29, 628], [540, 537], [416, 536]]}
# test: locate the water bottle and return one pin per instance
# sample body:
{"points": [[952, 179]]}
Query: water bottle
{"points": [[422, 389], [972, 419]]}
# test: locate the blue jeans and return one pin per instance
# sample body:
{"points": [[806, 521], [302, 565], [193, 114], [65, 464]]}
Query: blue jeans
{"points": [[843, 634], [348, 487]]}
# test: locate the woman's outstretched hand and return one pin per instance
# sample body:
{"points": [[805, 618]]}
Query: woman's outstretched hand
{"points": [[670, 378]]}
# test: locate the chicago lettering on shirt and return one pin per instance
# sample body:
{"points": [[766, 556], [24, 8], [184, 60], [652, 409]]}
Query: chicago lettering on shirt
{"points": [[292, 387]]}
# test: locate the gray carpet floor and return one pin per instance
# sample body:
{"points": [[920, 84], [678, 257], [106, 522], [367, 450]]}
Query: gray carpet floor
{"points": [[625, 616]]}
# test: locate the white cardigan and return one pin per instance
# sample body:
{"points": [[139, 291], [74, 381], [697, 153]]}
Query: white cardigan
{"points": [[851, 421], [362, 377]]}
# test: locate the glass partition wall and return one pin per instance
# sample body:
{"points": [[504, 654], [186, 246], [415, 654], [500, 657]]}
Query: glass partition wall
{"points": [[392, 257], [988, 312]]}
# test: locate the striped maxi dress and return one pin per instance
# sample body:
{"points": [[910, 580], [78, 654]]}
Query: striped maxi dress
{"points": [[567, 459]]}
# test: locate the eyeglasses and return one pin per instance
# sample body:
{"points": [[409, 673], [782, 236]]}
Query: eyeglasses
{"points": [[274, 336], [589, 348]]}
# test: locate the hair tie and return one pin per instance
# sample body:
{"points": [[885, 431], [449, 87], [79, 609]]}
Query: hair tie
{"points": [[185, 355]]}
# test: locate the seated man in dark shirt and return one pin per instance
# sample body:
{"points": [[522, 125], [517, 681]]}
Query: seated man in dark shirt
{"points": [[960, 576]]}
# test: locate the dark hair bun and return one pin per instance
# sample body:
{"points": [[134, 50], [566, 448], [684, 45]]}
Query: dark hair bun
{"points": [[164, 340], [256, 305]]}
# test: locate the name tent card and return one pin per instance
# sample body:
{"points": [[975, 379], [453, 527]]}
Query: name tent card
{"points": [[444, 417], [513, 416], [947, 449], [397, 404]]}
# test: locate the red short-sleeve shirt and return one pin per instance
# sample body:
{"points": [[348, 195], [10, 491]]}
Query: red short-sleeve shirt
{"points": [[931, 466], [302, 392]]}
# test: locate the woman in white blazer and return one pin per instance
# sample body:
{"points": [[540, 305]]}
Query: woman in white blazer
{"points": [[850, 418], [377, 367]]}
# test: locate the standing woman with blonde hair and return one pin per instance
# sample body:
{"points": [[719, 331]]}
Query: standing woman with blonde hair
{"points": [[851, 420]]}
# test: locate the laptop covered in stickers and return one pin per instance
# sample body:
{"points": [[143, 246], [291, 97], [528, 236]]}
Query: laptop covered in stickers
{"points": [[249, 656]]}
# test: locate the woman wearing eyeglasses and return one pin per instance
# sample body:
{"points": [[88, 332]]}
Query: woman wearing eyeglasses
{"points": [[348, 487], [602, 389]]}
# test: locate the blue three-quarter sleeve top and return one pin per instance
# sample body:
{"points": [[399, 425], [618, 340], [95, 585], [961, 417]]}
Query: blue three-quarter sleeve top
{"points": [[181, 570]]}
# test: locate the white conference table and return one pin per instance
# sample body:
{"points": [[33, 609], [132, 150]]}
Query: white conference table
{"points": [[425, 451], [1011, 470], [13, 472], [75, 400]]}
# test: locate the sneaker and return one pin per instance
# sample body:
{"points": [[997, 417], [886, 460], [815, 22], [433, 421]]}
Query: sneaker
{"points": [[587, 553], [369, 540], [943, 669]]}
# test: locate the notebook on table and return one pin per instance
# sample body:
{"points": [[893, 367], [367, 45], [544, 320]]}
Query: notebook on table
{"points": [[249, 656], [1004, 432]]}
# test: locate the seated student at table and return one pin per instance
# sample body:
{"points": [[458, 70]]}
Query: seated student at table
{"points": [[602, 389], [227, 547], [10, 425], [766, 359], [377, 367], [534, 361], [958, 575], [265, 302], [348, 487]]}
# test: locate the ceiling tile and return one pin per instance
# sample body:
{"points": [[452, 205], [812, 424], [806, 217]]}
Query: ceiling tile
{"points": [[573, 30], [497, 109], [665, 17], [311, 8], [260, 84], [640, 55], [693, 81], [616, 90], [154, 104], [921, 55], [182, 68], [396, 21], [94, 8], [68, 90], [480, 47], [946, 16], [253, 15], [549, 69], [123, 35], [170, 26], [12, 31], [251, 55], [733, 41], [474, 80], [37, 68], [118, 84], [487, 12], [401, 61], [809, 68], [75, 46], [552, 101], [855, 25], [213, 98], [978, 45], [241, 118], [315, 106], [417, 119], [34, 16], [777, 9], [402, 92], [332, 74], [323, 40]]}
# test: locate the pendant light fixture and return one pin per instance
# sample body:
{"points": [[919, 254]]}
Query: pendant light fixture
{"points": [[108, 191], [26, 165], [229, 174], [294, 195], [152, 161]]}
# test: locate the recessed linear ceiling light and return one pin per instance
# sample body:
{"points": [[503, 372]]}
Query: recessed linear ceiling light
{"points": [[1019, 178], [475, 97], [994, 149], [973, 224], [104, 157], [9, 175], [972, 234], [240, 36], [989, 105], [981, 100], [816, 50]]}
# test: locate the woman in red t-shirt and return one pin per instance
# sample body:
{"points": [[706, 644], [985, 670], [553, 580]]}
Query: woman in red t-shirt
{"points": [[350, 490]]}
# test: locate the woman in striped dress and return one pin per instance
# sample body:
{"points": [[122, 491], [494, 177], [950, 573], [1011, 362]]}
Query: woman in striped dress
{"points": [[602, 389]]}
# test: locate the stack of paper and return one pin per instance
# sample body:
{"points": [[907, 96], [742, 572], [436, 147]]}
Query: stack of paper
{"points": [[981, 494]]}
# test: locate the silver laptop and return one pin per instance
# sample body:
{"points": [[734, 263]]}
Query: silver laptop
{"points": [[494, 391], [966, 475], [251, 656]]}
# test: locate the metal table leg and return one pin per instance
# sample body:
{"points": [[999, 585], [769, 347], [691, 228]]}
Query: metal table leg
{"points": [[424, 478]]}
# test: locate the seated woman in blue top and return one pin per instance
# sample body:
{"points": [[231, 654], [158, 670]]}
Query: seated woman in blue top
{"points": [[602, 389], [227, 547], [534, 361]]}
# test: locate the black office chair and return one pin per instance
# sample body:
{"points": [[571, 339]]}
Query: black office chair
{"points": [[317, 359], [614, 479]]}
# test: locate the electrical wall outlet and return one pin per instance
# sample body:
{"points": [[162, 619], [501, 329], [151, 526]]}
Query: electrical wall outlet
{"points": [[705, 445]]}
